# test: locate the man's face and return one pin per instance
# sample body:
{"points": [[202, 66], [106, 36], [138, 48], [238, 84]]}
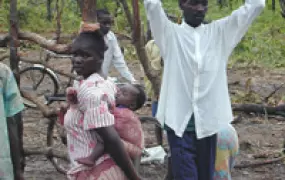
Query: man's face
{"points": [[85, 62], [106, 22], [127, 95], [194, 11]]}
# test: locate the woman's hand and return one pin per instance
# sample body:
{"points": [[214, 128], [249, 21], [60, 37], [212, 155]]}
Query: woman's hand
{"points": [[88, 27], [114, 146]]}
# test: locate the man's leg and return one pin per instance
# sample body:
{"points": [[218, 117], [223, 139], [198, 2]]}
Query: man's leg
{"points": [[14, 126], [169, 175], [183, 155], [206, 156]]}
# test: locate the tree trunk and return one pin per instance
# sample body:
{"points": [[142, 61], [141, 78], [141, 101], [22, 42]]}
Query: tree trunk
{"points": [[49, 14], [88, 10], [14, 42]]}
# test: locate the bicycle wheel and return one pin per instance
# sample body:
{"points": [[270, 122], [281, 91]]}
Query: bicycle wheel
{"points": [[39, 80]]}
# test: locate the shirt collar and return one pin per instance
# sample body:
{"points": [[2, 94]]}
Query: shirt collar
{"points": [[108, 36], [186, 26]]}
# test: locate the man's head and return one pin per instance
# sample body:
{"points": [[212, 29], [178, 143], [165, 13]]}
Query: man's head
{"points": [[194, 11], [131, 96], [105, 19], [88, 53]]}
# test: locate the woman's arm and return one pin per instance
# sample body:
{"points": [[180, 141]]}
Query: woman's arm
{"points": [[115, 147]]}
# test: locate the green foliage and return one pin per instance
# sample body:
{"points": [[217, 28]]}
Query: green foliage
{"points": [[263, 45]]}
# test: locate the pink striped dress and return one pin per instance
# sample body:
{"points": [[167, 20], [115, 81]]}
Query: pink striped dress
{"points": [[94, 96]]}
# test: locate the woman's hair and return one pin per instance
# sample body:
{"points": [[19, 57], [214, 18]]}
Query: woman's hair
{"points": [[93, 41], [141, 97]]}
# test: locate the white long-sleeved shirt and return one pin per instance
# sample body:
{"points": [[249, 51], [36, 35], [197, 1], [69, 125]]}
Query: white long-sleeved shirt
{"points": [[114, 56], [195, 62]]}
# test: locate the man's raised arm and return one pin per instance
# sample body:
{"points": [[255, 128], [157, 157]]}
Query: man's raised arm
{"points": [[160, 25], [236, 25]]}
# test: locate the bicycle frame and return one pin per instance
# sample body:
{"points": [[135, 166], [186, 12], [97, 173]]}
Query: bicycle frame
{"points": [[49, 71]]}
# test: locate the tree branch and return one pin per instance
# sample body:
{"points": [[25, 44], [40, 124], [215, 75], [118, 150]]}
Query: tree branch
{"points": [[153, 76], [127, 12], [4, 56], [46, 111], [44, 43]]}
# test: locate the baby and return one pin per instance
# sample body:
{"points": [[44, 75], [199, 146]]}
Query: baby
{"points": [[129, 98]]}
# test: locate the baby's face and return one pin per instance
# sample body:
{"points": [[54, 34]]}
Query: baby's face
{"points": [[127, 95]]}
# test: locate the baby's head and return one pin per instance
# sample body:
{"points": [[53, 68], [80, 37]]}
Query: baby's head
{"points": [[131, 96]]}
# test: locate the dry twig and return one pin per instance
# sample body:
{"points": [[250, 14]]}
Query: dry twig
{"points": [[260, 163]]}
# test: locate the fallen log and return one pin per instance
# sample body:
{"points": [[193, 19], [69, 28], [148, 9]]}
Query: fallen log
{"points": [[259, 109]]}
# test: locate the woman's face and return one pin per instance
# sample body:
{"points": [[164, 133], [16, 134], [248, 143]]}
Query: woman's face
{"points": [[85, 62]]}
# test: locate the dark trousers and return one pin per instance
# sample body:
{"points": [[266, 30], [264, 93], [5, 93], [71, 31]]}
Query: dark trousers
{"points": [[192, 158], [158, 130], [15, 130]]}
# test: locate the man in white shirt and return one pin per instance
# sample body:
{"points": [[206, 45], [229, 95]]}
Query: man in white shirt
{"points": [[194, 103], [113, 55]]}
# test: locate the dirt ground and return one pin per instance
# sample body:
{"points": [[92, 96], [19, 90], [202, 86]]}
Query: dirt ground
{"points": [[256, 133]]}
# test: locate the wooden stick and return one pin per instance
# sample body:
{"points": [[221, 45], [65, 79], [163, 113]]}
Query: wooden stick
{"points": [[260, 163], [47, 152]]}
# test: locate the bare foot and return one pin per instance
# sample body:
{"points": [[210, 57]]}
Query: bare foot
{"points": [[86, 161]]}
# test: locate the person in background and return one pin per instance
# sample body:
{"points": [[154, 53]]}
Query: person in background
{"points": [[11, 127], [194, 104], [113, 55]]}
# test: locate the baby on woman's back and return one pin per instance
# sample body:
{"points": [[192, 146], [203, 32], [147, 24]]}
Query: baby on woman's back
{"points": [[128, 99]]}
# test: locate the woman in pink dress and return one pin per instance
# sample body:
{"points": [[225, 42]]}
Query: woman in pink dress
{"points": [[92, 116]]}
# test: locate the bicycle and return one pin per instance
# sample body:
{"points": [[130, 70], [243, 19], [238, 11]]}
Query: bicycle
{"points": [[44, 81]]}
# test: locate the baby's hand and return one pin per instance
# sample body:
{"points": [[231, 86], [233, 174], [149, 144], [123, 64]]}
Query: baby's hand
{"points": [[71, 96]]}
